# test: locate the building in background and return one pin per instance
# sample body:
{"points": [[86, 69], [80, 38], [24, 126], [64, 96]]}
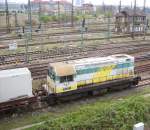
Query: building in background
{"points": [[65, 7], [87, 8], [50, 7], [43, 5], [128, 21]]}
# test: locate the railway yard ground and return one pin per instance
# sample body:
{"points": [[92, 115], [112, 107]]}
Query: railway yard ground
{"points": [[30, 120], [115, 110]]}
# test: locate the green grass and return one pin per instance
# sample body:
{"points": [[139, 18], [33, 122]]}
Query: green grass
{"points": [[107, 115], [25, 119], [93, 113]]}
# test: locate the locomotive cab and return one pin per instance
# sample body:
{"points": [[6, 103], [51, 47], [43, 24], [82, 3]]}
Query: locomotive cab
{"points": [[61, 77]]}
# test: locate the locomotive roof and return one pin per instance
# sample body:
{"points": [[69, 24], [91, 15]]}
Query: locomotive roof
{"points": [[63, 69], [92, 60], [68, 68], [102, 60]]}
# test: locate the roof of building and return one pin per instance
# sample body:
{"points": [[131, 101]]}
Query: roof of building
{"points": [[130, 12], [87, 5], [52, 1]]}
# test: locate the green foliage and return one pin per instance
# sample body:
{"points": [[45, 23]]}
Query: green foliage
{"points": [[80, 17], [54, 18], [108, 14], [118, 115], [45, 19], [62, 17]]}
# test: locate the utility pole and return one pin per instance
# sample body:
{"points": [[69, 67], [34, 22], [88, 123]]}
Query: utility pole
{"points": [[144, 6], [120, 7], [26, 49], [64, 25], [16, 22], [104, 7], [30, 18], [40, 29], [28, 35], [58, 12], [108, 27], [145, 23], [40, 11], [7, 17], [131, 4], [133, 28], [72, 14], [82, 31]]}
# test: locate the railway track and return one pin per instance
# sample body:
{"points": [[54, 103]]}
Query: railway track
{"points": [[68, 40], [69, 30], [101, 49], [144, 82], [70, 33], [60, 25], [39, 70]]}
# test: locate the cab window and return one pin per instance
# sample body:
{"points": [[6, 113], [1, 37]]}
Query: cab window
{"points": [[128, 60], [51, 74], [68, 78]]}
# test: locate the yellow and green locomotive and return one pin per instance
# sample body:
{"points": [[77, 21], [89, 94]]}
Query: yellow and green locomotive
{"points": [[78, 75]]}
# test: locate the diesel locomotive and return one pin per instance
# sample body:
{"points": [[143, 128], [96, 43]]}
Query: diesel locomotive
{"points": [[90, 75]]}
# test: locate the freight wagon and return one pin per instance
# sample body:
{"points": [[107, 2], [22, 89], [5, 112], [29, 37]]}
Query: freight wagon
{"points": [[15, 88]]}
